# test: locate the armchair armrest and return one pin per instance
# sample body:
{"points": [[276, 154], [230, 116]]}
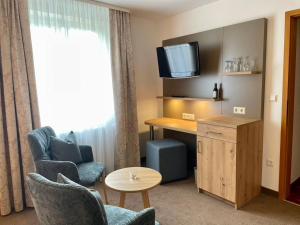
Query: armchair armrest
{"points": [[50, 169], [144, 217], [86, 153]]}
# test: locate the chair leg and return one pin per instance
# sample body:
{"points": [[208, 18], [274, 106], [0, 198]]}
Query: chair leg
{"points": [[104, 190], [105, 195]]}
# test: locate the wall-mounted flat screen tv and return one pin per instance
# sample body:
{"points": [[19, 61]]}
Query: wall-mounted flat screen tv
{"points": [[179, 61]]}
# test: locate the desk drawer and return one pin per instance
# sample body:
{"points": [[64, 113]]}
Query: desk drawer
{"points": [[217, 132]]}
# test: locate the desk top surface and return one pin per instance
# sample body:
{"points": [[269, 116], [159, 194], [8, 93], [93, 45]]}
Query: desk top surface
{"points": [[190, 127], [174, 124], [227, 121]]}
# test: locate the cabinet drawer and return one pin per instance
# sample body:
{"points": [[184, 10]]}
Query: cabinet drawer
{"points": [[217, 132]]}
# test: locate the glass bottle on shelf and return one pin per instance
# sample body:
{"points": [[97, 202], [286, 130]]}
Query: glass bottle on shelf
{"points": [[215, 92], [220, 92]]}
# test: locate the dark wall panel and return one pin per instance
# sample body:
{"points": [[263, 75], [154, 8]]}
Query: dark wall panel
{"points": [[216, 46], [210, 52], [241, 40]]}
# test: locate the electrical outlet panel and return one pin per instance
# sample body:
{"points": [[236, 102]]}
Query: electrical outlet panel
{"points": [[187, 116], [239, 110], [269, 163]]}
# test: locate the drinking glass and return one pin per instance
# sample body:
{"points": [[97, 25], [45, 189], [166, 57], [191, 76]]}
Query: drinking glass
{"points": [[246, 65], [240, 64], [132, 176], [252, 64], [228, 66], [235, 65]]}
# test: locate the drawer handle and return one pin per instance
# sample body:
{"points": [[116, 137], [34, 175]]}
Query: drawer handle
{"points": [[214, 132], [222, 181]]}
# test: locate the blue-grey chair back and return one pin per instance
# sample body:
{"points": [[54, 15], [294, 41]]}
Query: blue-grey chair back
{"points": [[63, 204], [39, 142]]}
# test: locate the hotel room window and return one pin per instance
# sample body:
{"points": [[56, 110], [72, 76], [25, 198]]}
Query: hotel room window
{"points": [[71, 50]]}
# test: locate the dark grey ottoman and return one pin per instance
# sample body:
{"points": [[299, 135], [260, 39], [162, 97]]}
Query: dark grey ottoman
{"points": [[169, 157]]}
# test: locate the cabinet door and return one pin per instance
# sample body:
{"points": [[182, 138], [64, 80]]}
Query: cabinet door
{"points": [[216, 162]]}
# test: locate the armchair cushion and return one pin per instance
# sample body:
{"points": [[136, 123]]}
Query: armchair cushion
{"points": [[64, 180], [64, 151], [89, 173], [71, 138], [86, 153], [121, 216]]}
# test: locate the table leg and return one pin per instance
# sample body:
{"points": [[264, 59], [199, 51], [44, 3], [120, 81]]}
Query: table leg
{"points": [[146, 199], [151, 133], [122, 199]]}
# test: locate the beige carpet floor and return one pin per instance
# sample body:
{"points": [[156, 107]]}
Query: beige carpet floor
{"points": [[179, 203]]}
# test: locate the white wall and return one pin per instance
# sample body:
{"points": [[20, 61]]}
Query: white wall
{"points": [[226, 12], [148, 84], [295, 173]]}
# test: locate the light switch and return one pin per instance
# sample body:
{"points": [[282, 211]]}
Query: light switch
{"points": [[273, 98]]}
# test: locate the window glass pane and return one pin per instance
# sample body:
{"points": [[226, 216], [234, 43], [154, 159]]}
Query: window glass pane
{"points": [[73, 68]]}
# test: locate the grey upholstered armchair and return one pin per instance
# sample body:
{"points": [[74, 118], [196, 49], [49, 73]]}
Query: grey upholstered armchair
{"points": [[66, 202], [86, 173]]}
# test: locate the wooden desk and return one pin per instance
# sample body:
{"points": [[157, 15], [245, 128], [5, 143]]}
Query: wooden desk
{"points": [[185, 126], [234, 145]]}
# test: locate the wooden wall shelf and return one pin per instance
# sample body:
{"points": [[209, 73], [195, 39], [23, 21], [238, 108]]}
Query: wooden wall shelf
{"points": [[241, 73], [188, 98]]}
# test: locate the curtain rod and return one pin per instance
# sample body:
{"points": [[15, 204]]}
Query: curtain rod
{"points": [[95, 2]]}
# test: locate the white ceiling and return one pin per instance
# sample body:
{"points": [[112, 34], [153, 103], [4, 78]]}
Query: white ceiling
{"points": [[158, 8]]}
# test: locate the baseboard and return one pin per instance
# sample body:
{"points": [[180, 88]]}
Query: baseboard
{"points": [[270, 192]]}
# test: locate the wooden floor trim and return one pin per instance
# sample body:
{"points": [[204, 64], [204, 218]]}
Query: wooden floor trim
{"points": [[270, 192]]}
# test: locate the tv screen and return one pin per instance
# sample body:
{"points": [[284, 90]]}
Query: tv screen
{"points": [[179, 61]]}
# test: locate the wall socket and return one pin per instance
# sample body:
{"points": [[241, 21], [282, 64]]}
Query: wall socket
{"points": [[269, 163], [239, 110], [187, 116]]}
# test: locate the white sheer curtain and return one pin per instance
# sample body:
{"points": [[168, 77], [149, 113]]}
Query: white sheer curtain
{"points": [[71, 48]]}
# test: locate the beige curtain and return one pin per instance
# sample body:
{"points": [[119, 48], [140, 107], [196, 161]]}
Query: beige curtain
{"points": [[127, 140], [18, 104]]}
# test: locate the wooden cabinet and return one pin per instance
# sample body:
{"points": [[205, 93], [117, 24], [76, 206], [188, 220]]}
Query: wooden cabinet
{"points": [[229, 152], [216, 163]]}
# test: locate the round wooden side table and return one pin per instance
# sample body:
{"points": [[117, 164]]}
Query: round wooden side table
{"points": [[131, 180]]}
